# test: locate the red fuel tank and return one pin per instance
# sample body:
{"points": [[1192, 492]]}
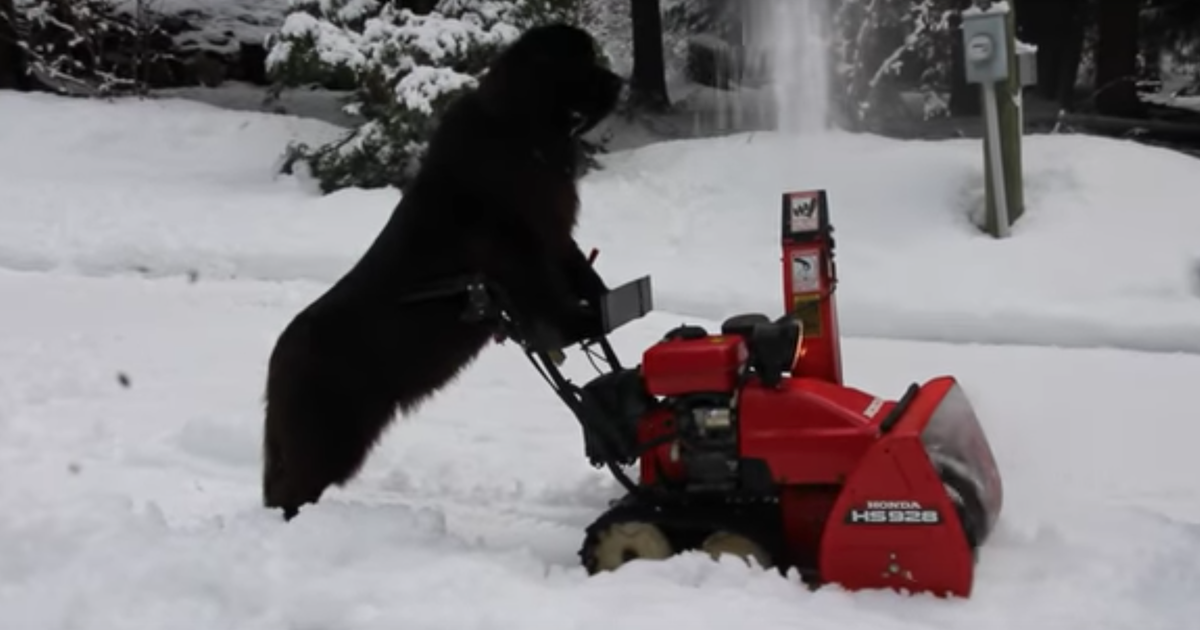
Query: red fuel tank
{"points": [[691, 366]]}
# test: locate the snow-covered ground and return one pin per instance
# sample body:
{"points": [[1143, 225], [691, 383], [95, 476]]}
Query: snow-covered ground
{"points": [[1106, 254], [130, 412]]}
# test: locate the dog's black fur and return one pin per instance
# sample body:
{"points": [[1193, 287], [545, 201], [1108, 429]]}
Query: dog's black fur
{"points": [[496, 195]]}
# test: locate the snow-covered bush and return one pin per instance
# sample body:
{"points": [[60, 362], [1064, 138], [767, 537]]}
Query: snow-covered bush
{"points": [[403, 69]]}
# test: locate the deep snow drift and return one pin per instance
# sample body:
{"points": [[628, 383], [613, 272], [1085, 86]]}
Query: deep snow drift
{"points": [[137, 507]]}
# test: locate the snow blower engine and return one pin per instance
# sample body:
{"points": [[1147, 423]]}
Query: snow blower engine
{"points": [[746, 441]]}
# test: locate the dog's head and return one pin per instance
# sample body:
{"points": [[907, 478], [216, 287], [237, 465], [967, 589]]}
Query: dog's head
{"points": [[552, 79]]}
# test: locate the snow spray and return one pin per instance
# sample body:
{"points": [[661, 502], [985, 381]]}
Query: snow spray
{"points": [[791, 39]]}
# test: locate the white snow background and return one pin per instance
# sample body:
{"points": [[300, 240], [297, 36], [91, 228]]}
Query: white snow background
{"points": [[154, 240]]}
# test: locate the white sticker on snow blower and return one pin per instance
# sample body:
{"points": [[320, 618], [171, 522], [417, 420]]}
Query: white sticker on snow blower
{"points": [[873, 408], [806, 277], [802, 213], [892, 513]]}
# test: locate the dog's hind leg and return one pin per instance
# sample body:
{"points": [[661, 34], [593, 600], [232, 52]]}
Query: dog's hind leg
{"points": [[311, 447]]}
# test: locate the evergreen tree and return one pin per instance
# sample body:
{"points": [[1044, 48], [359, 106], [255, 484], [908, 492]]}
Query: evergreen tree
{"points": [[882, 47], [403, 68], [85, 47]]}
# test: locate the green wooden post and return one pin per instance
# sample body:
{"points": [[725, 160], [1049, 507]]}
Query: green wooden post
{"points": [[1008, 97]]}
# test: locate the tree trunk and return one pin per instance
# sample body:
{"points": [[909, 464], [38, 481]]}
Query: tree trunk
{"points": [[648, 86], [1067, 68], [12, 60], [1116, 59]]}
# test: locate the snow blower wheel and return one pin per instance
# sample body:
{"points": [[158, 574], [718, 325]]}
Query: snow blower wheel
{"points": [[626, 541], [726, 542]]}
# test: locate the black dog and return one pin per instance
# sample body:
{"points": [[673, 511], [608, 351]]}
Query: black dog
{"points": [[496, 196]]}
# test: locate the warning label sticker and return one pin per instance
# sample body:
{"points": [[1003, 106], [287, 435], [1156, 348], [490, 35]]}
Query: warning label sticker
{"points": [[802, 213], [807, 308], [806, 277]]}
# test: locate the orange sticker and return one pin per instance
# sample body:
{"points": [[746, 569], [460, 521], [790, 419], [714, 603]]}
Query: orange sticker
{"points": [[807, 308]]}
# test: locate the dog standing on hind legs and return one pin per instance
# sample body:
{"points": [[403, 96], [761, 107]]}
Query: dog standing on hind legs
{"points": [[496, 196]]}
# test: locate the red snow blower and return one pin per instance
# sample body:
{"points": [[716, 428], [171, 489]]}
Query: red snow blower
{"points": [[747, 442]]}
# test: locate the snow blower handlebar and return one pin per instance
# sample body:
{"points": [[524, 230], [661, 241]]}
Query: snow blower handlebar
{"points": [[617, 396], [488, 302], [618, 389]]}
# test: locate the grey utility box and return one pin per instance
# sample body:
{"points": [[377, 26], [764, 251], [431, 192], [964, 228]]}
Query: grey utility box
{"points": [[1027, 65], [985, 46]]}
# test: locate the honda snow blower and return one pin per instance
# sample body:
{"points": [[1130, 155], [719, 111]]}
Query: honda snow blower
{"points": [[748, 443]]}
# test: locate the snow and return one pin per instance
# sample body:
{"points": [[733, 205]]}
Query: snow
{"points": [[1173, 100], [226, 24], [995, 8], [1188, 102], [331, 45], [138, 507], [424, 85], [1104, 255]]}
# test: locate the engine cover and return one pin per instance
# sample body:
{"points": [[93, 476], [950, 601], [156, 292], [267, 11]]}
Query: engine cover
{"points": [[678, 366]]}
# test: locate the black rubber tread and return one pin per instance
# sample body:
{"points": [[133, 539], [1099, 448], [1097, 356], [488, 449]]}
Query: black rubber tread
{"points": [[687, 525]]}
